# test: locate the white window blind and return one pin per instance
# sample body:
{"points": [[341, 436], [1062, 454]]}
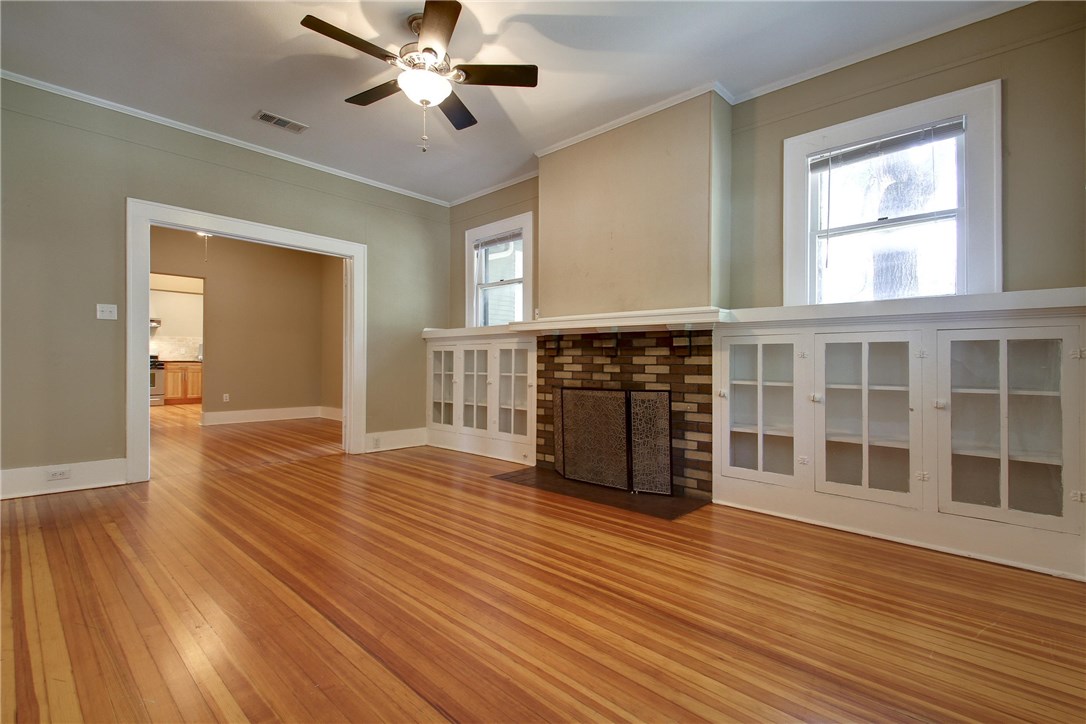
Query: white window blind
{"points": [[834, 158]]}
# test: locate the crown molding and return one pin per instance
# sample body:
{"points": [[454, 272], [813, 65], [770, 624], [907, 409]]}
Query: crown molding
{"points": [[496, 187]]}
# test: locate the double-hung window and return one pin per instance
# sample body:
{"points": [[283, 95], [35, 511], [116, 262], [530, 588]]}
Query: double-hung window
{"points": [[905, 203], [498, 266]]}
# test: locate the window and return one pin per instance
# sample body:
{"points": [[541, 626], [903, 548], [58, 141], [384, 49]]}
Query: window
{"points": [[499, 272], [905, 203]]}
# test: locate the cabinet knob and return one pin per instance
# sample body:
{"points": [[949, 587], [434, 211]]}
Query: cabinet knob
{"points": [[722, 393], [939, 404], [815, 397]]}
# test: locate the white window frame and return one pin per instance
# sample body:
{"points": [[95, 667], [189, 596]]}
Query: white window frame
{"points": [[980, 241], [471, 236]]}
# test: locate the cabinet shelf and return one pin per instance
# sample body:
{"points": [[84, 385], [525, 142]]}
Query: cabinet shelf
{"points": [[776, 431], [878, 388], [765, 383], [1013, 391], [851, 437], [1035, 457]]}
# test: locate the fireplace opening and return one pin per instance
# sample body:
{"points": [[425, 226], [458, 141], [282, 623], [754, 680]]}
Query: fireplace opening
{"points": [[615, 438]]}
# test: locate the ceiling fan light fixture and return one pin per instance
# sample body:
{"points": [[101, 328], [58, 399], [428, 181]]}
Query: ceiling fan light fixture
{"points": [[424, 87]]}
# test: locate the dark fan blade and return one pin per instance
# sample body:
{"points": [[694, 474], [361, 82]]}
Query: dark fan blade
{"points": [[331, 31], [457, 113], [375, 94], [438, 20], [517, 75]]}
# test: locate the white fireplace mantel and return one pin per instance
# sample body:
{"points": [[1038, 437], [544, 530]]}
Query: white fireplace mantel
{"points": [[971, 306], [679, 320], [682, 319]]}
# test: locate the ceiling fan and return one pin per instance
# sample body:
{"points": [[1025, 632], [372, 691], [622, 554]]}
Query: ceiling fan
{"points": [[426, 77]]}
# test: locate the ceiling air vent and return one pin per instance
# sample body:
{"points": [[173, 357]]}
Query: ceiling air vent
{"points": [[275, 120]]}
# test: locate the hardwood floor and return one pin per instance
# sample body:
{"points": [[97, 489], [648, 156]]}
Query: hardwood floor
{"points": [[263, 575]]}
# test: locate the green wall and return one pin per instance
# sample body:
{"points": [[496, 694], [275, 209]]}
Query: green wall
{"points": [[66, 171]]}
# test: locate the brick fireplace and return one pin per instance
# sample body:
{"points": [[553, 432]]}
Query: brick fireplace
{"points": [[680, 362]]}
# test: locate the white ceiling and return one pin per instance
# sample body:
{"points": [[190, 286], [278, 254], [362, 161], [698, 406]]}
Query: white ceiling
{"points": [[213, 65]]}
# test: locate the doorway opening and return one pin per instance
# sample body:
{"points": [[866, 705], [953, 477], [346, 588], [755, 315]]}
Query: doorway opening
{"points": [[144, 216], [177, 339]]}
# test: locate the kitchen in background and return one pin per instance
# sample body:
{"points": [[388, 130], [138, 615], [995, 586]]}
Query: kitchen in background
{"points": [[177, 339]]}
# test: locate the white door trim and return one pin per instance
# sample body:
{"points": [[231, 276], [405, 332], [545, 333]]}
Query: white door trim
{"points": [[142, 215]]}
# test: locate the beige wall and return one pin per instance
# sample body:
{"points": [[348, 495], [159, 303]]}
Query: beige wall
{"points": [[332, 332], [720, 202], [502, 204], [182, 314], [67, 168], [624, 216], [264, 310], [1037, 51], [171, 283]]}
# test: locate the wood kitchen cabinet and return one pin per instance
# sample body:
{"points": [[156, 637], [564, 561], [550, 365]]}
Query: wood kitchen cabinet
{"points": [[184, 383]]}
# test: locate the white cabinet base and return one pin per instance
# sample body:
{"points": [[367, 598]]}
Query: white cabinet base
{"points": [[1054, 553], [514, 452]]}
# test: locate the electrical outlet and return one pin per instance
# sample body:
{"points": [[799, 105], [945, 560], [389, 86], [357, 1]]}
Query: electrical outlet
{"points": [[226, 397], [59, 474], [106, 311], [376, 443], [1078, 496]]}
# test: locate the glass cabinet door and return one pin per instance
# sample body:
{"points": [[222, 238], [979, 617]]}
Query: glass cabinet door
{"points": [[515, 372], [441, 386], [759, 388], [1003, 425], [867, 420], [475, 388]]}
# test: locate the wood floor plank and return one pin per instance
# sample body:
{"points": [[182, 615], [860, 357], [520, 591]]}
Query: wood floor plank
{"points": [[102, 674], [264, 575], [7, 621]]}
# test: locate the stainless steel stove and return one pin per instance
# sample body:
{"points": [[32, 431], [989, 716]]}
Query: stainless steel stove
{"points": [[158, 381]]}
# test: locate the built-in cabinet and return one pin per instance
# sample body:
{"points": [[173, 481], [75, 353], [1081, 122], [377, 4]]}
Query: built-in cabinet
{"points": [[1011, 438], [481, 396], [838, 412], [842, 413], [867, 415], [959, 431], [763, 395], [184, 383]]}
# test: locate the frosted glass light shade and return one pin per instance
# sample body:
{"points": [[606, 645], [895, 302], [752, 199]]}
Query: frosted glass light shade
{"points": [[424, 87]]}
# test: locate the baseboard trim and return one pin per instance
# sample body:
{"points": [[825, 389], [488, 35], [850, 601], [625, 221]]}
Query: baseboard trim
{"points": [[22, 482], [912, 542], [230, 417], [331, 413], [395, 439]]}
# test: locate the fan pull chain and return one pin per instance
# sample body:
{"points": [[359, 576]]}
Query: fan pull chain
{"points": [[425, 145]]}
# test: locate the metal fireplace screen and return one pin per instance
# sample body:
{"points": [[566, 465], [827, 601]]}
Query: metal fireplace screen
{"points": [[617, 438]]}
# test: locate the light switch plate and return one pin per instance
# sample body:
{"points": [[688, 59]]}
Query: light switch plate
{"points": [[107, 311]]}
